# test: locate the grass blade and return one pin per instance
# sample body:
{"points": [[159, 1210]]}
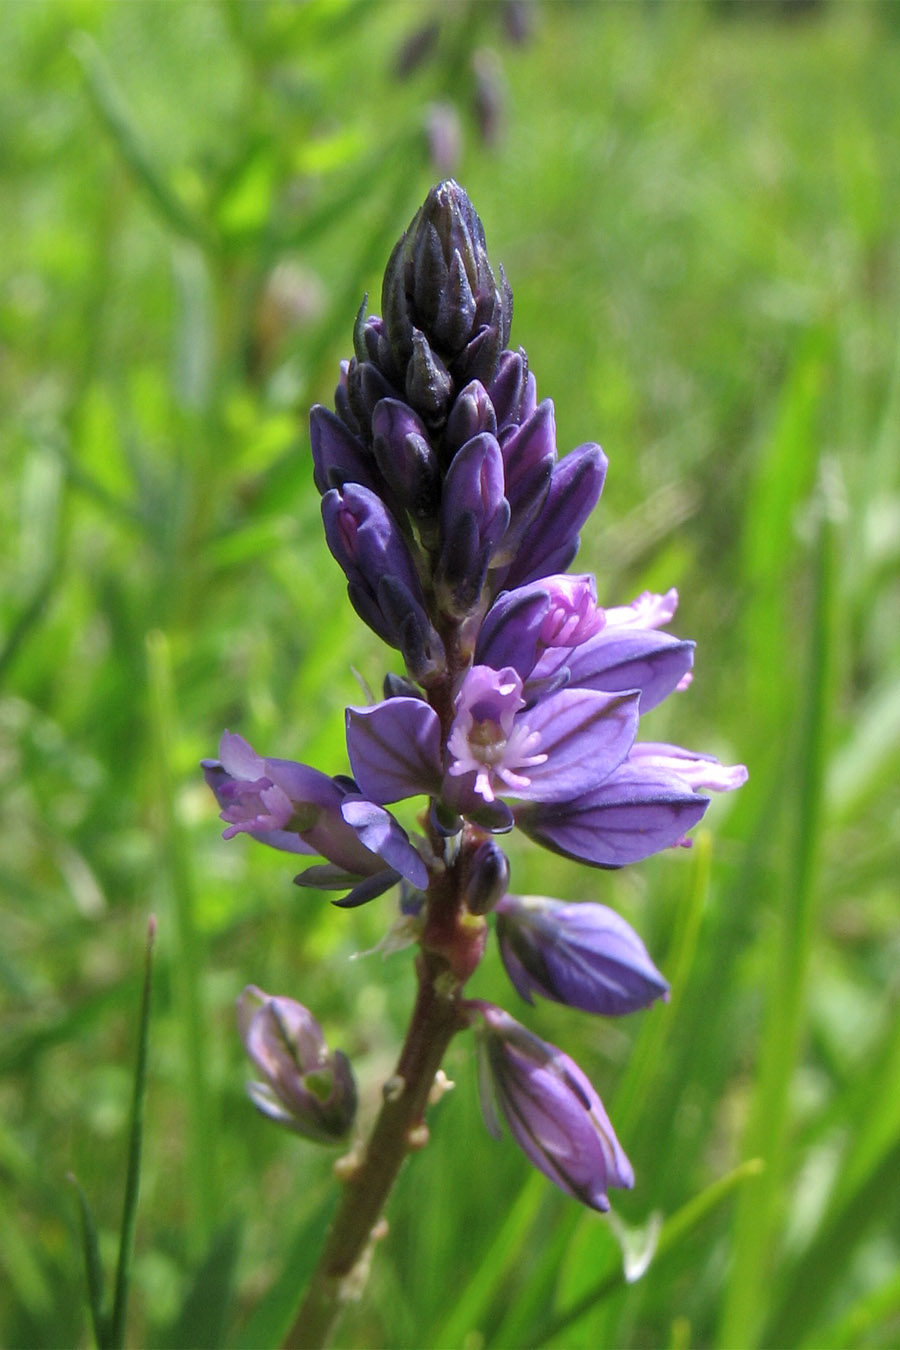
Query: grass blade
{"points": [[767, 1131], [135, 1141], [92, 1267], [201, 1138]]}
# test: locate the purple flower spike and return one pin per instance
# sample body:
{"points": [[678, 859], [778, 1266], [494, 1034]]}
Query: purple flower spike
{"points": [[553, 1112], [583, 955], [447, 507], [305, 1088]]}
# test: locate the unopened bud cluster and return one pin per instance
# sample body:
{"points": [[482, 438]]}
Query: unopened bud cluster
{"points": [[454, 520]]}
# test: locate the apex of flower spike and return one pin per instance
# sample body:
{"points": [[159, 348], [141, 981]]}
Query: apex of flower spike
{"points": [[446, 316]]}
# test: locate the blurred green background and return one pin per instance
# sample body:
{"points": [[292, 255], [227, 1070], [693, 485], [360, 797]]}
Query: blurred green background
{"points": [[697, 206]]}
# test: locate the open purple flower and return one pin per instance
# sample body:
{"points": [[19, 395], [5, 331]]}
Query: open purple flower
{"points": [[496, 745], [583, 955], [293, 807], [553, 1112]]}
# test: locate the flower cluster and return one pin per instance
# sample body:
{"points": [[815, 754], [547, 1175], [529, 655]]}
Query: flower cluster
{"points": [[454, 521]]}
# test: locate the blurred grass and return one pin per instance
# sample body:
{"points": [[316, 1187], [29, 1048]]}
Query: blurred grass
{"points": [[697, 210]]}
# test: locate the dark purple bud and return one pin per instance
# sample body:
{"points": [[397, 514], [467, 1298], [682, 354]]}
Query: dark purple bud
{"points": [[485, 877], [552, 1111], [366, 387], [478, 359], [510, 633], [513, 390], [422, 268], [474, 517], [416, 49], [452, 325], [405, 458], [415, 638], [551, 541], [583, 955], [472, 413], [428, 383], [490, 95], [338, 456], [305, 1087], [398, 686], [365, 540], [529, 457]]}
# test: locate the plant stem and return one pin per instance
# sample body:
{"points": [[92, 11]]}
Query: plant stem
{"points": [[342, 1265]]}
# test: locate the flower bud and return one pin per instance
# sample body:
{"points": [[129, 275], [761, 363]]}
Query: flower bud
{"points": [[486, 877], [305, 1088], [553, 1112], [582, 955], [439, 281]]}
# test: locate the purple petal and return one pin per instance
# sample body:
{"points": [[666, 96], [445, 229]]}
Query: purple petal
{"points": [[395, 749], [703, 772], [585, 735], [367, 890], [378, 831], [633, 814], [618, 659]]}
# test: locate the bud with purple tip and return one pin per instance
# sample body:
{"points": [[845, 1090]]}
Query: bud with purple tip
{"points": [[583, 955], [305, 1087], [553, 1112]]}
